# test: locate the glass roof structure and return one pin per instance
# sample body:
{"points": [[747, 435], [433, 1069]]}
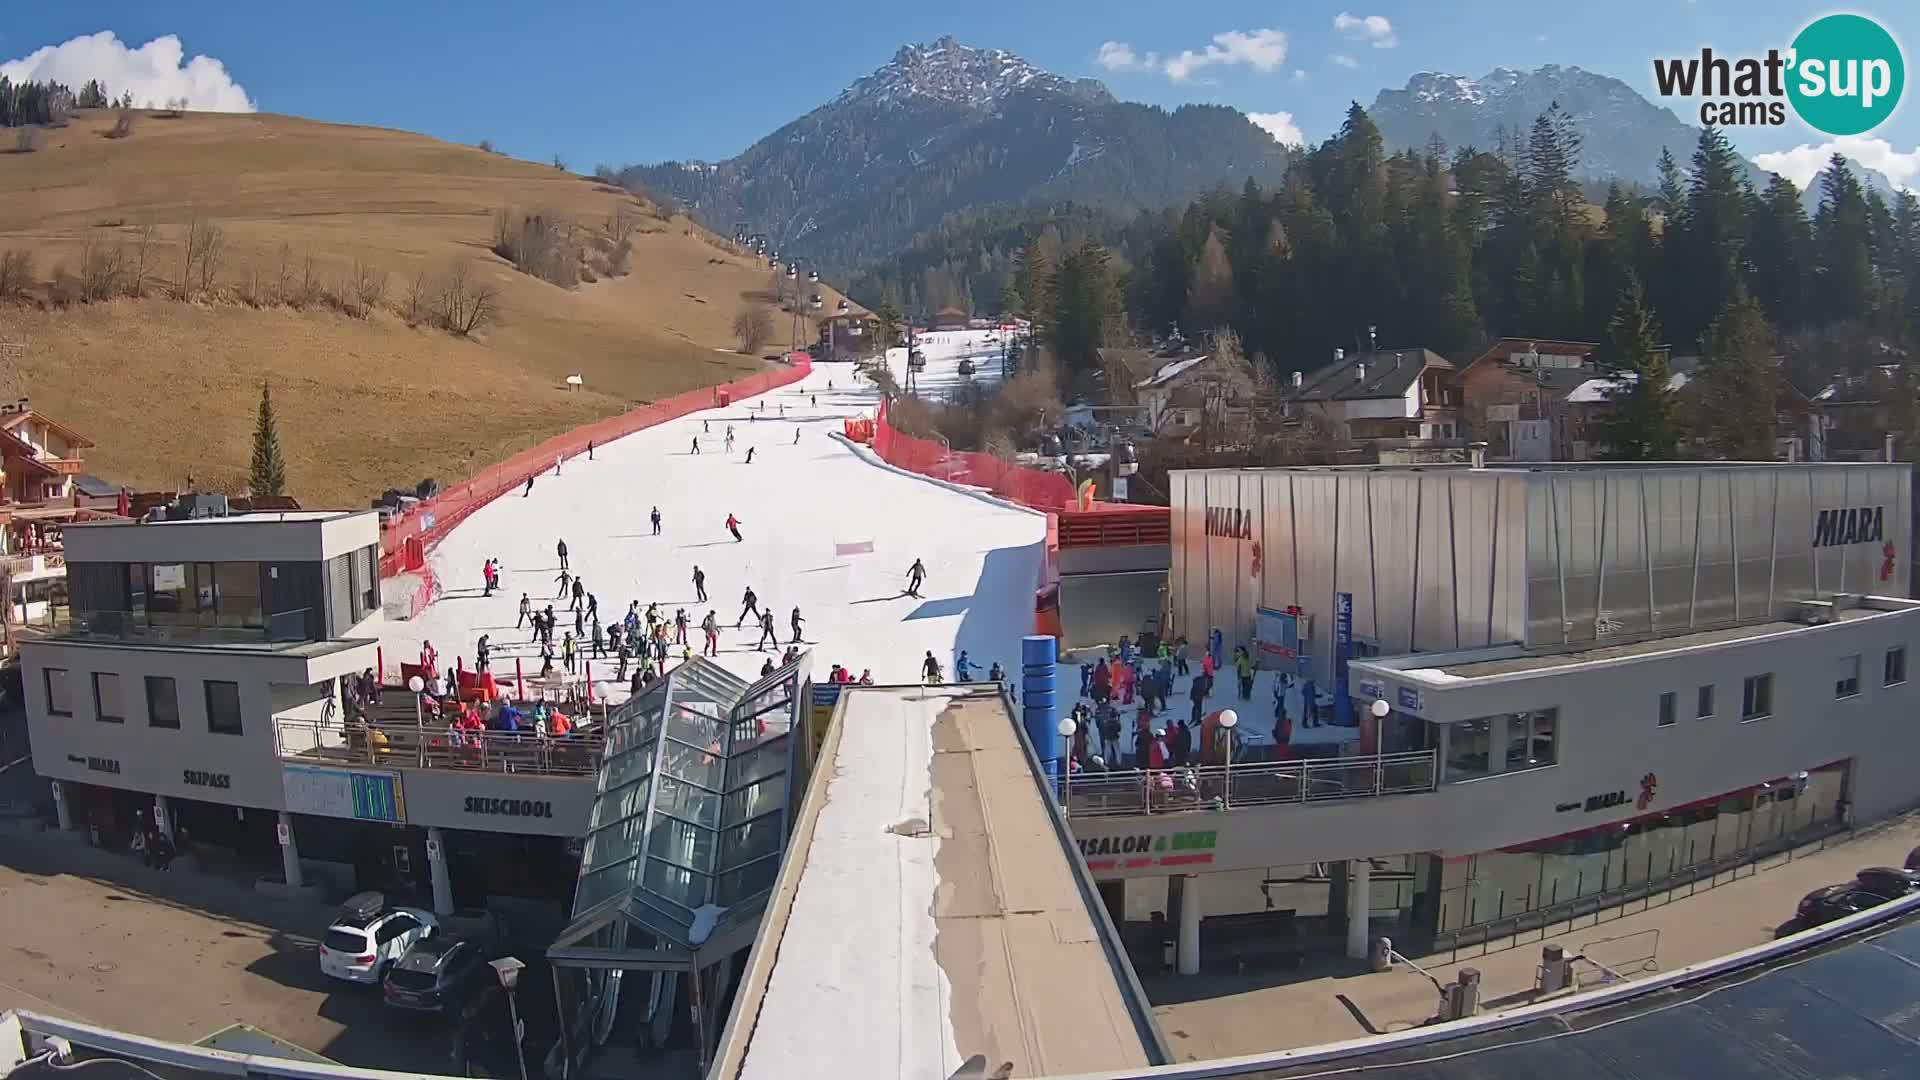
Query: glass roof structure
{"points": [[690, 816]]}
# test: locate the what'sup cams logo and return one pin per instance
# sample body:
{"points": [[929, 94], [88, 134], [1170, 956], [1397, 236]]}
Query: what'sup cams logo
{"points": [[1842, 75]]}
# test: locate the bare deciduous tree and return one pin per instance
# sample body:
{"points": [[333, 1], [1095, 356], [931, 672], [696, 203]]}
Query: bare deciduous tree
{"points": [[752, 326], [369, 286], [16, 274], [26, 141], [213, 250], [283, 274], [192, 243], [466, 304], [122, 123], [417, 299], [310, 287], [143, 256], [101, 266]]}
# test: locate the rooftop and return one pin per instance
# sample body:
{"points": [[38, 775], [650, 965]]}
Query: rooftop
{"points": [[933, 895], [1388, 373], [1514, 660]]}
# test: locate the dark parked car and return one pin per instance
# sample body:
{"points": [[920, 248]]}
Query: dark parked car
{"points": [[436, 974], [1888, 882], [1826, 904]]}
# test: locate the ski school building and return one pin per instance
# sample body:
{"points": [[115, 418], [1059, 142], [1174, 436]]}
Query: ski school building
{"points": [[1560, 681]]}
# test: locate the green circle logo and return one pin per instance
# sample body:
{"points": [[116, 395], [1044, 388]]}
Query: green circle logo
{"points": [[1847, 74]]}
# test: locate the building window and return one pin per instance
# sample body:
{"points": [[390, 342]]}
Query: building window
{"points": [[1894, 671], [223, 707], [59, 702], [1669, 708], [163, 702], [106, 698], [1531, 738], [1703, 703], [1467, 746], [1756, 697], [1846, 683], [237, 585]]}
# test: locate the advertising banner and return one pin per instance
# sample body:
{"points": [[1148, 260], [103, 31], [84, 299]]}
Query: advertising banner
{"points": [[1342, 648]]}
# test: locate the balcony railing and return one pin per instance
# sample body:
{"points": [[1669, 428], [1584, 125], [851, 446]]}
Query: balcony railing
{"points": [[191, 628], [1222, 787], [310, 742]]}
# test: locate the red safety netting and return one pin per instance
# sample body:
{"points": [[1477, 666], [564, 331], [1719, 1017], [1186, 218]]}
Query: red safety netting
{"points": [[1035, 488], [405, 541]]}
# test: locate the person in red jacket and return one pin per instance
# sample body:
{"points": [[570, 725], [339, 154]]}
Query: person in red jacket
{"points": [[733, 526], [1123, 679]]}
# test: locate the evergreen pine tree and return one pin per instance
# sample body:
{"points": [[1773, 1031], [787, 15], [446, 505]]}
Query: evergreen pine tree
{"points": [[1711, 236], [1211, 300], [268, 473], [1842, 245], [1781, 250], [1737, 382], [1643, 420]]}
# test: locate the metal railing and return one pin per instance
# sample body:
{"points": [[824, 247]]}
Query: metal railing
{"points": [[194, 628], [1220, 787], [408, 746]]}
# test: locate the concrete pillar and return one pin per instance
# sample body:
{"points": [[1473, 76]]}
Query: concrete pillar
{"points": [[437, 865], [289, 852], [1187, 956], [1359, 905], [60, 808], [162, 820]]}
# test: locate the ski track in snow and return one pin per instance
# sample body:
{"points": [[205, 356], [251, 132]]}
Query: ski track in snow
{"points": [[795, 503]]}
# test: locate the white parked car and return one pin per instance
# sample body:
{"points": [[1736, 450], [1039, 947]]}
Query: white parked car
{"points": [[368, 937]]}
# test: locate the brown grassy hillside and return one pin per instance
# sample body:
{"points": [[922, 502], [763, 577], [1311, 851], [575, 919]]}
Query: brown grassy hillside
{"points": [[168, 388]]}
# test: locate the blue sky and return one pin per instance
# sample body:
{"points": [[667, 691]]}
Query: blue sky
{"points": [[603, 82]]}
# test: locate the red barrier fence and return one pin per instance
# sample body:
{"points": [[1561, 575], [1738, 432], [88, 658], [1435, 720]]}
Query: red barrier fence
{"points": [[1034, 488], [1116, 525], [435, 517]]}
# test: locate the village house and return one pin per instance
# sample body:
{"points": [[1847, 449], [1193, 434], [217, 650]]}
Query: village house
{"points": [[1389, 398], [1514, 395]]}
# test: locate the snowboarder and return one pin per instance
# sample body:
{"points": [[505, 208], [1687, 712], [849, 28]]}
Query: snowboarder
{"points": [[930, 669], [796, 436], [749, 455], [565, 579], [696, 444], [766, 631], [797, 621], [656, 521], [700, 584], [526, 610], [916, 574], [733, 526], [560, 549], [748, 603], [680, 626], [711, 627]]}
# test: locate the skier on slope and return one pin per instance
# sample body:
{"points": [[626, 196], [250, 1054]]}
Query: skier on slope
{"points": [[733, 526], [749, 455], [930, 669], [766, 631], [696, 444], [797, 621], [711, 627], [729, 438], [526, 610], [560, 549], [529, 488], [700, 584], [748, 603], [656, 521], [916, 574], [565, 579], [680, 626]]}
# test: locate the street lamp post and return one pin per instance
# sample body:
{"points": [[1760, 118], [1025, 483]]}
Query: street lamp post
{"points": [[508, 969], [1228, 721], [1067, 730]]}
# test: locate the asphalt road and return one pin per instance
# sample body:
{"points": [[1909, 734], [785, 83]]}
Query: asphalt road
{"points": [[95, 936]]}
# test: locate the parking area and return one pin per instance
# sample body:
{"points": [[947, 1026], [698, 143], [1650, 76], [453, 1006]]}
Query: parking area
{"points": [[1221, 1013], [95, 936]]}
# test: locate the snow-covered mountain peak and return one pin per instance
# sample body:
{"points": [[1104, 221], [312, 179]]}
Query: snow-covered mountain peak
{"points": [[955, 74]]}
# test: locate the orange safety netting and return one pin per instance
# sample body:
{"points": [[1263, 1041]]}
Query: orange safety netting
{"points": [[1034, 488], [404, 542]]}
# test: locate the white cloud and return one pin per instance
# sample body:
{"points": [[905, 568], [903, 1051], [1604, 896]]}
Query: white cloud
{"points": [[154, 73], [1344, 60], [1280, 125], [1300, 75], [1374, 29], [1802, 163], [1261, 50], [1119, 56]]}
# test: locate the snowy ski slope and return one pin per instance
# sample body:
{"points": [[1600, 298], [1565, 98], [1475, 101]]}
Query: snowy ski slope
{"points": [[802, 508]]}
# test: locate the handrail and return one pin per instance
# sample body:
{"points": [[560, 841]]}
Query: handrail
{"points": [[410, 746], [1219, 787]]}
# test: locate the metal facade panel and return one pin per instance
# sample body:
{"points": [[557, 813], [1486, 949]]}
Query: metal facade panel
{"points": [[1510, 597], [1394, 501], [1435, 567]]}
